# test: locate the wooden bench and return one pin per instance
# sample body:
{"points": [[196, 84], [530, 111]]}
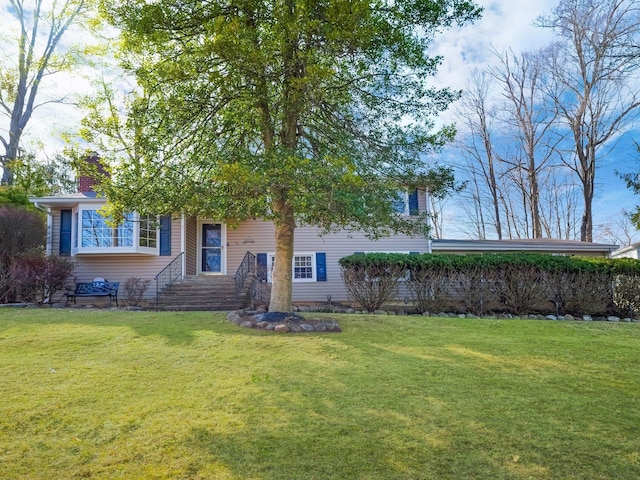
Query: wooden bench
{"points": [[94, 289]]}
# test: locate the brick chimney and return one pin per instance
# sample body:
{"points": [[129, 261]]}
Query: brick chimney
{"points": [[94, 169]]}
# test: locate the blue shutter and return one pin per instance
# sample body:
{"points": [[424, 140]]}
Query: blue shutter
{"points": [[321, 267], [65, 232], [413, 203], [165, 236], [261, 262]]}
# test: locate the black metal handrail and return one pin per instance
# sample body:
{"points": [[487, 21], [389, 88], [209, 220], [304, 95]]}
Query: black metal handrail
{"points": [[247, 267], [169, 275]]}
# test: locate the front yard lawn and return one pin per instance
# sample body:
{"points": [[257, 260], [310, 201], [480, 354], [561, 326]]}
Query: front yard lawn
{"points": [[107, 394]]}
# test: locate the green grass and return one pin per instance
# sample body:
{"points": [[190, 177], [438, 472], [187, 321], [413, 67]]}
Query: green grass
{"points": [[140, 395]]}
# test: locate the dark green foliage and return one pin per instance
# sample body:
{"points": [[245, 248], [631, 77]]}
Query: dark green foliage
{"points": [[296, 112], [520, 283]]}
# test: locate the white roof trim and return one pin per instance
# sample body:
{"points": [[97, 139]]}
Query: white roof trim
{"points": [[532, 245], [69, 200]]}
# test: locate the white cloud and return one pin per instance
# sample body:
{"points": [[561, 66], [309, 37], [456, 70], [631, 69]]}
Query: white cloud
{"points": [[505, 24]]}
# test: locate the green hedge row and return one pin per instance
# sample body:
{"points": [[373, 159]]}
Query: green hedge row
{"points": [[478, 283], [546, 262]]}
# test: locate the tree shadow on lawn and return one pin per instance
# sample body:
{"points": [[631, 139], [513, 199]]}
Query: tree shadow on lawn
{"points": [[179, 328]]}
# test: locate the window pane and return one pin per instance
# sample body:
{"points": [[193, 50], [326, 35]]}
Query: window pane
{"points": [[148, 232], [400, 204], [302, 267], [124, 232], [94, 231]]}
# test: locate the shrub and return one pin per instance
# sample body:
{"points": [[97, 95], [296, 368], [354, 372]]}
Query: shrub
{"points": [[627, 294], [21, 231], [372, 280], [430, 290], [479, 283], [519, 283], [37, 278], [134, 289]]}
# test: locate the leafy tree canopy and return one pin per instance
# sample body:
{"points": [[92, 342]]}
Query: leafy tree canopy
{"points": [[295, 111]]}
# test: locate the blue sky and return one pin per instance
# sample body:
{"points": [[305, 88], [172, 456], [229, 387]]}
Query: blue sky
{"points": [[510, 25]]}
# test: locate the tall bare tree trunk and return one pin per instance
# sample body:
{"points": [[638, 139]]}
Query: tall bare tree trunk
{"points": [[477, 118], [594, 89]]}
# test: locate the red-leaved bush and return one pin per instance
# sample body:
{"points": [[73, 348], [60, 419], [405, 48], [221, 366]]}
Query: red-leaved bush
{"points": [[21, 231], [37, 278]]}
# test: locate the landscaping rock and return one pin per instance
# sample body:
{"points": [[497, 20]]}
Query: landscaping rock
{"points": [[234, 317], [551, 317], [305, 327], [281, 328], [613, 319], [587, 318]]}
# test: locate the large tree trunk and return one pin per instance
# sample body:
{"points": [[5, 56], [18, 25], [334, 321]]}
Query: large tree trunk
{"points": [[11, 154], [535, 200], [282, 270]]}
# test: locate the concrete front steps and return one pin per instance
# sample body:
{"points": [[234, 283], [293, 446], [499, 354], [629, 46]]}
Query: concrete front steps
{"points": [[201, 292]]}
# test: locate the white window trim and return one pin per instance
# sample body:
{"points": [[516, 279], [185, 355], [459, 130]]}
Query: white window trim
{"points": [[314, 267], [78, 249]]}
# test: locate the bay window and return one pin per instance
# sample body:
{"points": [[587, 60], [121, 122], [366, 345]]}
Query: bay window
{"points": [[95, 234]]}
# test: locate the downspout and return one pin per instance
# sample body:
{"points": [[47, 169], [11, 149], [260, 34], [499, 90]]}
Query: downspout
{"points": [[183, 243], [49, 232]]}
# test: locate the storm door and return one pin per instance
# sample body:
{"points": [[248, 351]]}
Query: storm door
{"points": [[211, 241]]}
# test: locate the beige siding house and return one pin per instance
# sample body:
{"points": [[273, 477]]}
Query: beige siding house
{"points": [[204, 247]]}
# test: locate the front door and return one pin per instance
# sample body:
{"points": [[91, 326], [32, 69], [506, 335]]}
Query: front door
{"points": [[211, 248]]}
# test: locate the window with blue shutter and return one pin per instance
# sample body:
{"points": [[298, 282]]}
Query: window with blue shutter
{"points": [[165, 236], [65, 232]]}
